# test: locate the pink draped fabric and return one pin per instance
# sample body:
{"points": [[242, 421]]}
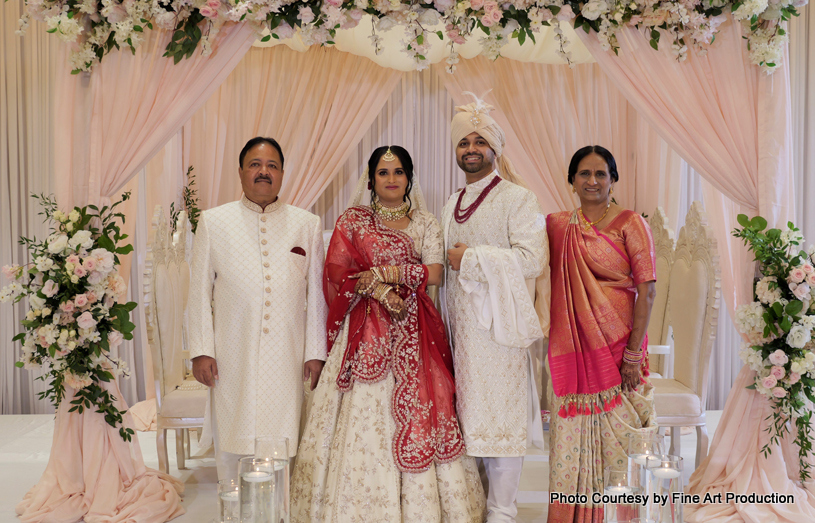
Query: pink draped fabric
{"points": [[114, 120], [317, 104], [93, 474], [725, 117], [570, 108], [736, 465]]}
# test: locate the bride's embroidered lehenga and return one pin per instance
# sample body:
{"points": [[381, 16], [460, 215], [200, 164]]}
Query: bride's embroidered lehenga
{"points": [[382, 441]]}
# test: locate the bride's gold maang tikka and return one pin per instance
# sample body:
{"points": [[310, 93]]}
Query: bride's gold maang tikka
{"points": [[389, 156]]}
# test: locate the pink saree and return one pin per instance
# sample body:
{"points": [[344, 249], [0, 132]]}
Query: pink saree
{"points": [[594, 278]]}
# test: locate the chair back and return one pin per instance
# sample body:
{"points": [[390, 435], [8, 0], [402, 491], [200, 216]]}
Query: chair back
{"points": [[693, 301], [664, 247], [164, 308]]}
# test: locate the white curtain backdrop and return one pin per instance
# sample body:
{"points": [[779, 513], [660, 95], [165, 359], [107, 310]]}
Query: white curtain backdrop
{"points": [[416, 116]]}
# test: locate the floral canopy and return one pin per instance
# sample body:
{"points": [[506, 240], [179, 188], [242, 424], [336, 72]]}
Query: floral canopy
{"points": [[95, 27]]}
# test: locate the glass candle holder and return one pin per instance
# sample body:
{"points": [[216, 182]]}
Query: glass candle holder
{"points": [[229, 506], [640, 446], [666, 486], [257, 490], [618, 495], [277, 449]]}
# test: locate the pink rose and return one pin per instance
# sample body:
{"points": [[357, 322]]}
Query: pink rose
{"points": [[334, 3], [215, 4], [115, 339], [777, 372], [50, 288], [86, 321], [89, 264], [797, 275], [80, 300], [801, 291], [768, 382], [92, 297], [779, 392], [779, 357], [80, 271], [565, 14], [67, 306], [208, 12], [794, 378], [811, 279], [10, 271], [72, 259], [476, 4], [486, 20], [497, 15], [808, 268]]}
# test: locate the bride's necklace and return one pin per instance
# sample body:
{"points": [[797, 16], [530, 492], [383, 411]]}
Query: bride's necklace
{"points": [[389, 214], [592, 224]]}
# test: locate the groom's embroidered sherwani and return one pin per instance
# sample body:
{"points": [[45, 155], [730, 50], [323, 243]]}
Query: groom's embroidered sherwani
{"points": [[256, 306], [506, 241]]}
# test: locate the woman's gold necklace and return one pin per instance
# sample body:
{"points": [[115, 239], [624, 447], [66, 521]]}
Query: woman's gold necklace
{"points": [[390, 214], [592, 224]]}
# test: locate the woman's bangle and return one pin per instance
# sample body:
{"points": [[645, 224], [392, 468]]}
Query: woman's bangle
{"points": [[380, 294]]}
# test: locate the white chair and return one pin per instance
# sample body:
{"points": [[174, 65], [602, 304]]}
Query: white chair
{"points": [[180, 404], [659, 326], [693, 310]]}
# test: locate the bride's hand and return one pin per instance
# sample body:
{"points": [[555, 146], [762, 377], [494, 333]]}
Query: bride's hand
{"points": [[365, 283], [395, 306]]}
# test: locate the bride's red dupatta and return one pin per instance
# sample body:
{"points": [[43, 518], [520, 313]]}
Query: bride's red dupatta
{"points": [[415, 349]]}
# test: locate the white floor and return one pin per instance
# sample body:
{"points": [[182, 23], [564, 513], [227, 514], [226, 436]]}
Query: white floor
{"points": [[25, 443]]}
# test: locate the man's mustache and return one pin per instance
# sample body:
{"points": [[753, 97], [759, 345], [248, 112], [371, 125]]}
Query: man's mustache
{"points": [[263, 178]]}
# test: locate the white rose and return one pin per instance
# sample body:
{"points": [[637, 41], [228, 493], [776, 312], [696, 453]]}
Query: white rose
{"points": [[798, 337], [57, 243], [796, 367], [36, 302], [43, 263], [74, 216], [81, 239], [593, 9]]}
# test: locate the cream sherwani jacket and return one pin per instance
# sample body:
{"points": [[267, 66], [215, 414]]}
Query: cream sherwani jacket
{"points": [[256, 305], [496, 398]]}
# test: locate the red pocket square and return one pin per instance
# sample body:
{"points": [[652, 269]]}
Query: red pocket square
{"points": [[299, 250]]}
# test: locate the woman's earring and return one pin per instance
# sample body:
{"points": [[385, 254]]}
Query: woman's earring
{"points": [[611, 191], [574, 190]]}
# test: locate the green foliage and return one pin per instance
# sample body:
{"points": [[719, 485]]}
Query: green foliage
{"points": [[189, 197]]}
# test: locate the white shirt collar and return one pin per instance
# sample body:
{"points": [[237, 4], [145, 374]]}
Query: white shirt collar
{"points": [[252, 206]]}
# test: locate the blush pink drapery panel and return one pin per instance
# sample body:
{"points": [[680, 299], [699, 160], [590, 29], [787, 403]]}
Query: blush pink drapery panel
{"points": [[317, 105], [114, 120], [548, 112], [728, 120]]}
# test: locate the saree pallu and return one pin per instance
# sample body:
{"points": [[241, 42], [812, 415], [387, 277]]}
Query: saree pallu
{"points": [[594, 279]]}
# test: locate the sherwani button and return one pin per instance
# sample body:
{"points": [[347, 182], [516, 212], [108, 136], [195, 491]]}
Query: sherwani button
{"points": [[266, 264], [266, 317], [265, 253], [265, 330], [263, 229], [263, 218], [268, 277], [264, 242], [268, 289], [268, 303]]}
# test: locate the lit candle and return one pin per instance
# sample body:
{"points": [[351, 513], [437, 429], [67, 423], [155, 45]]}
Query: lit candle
{"points": [[666, 472], [257, 476], [640, 459], [618, 489]]}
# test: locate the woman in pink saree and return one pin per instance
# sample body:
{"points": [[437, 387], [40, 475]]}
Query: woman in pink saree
{"points": [[603, 273], [382, 441]]}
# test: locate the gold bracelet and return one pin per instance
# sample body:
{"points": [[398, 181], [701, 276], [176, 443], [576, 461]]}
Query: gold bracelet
{"points": [[381, 292]]}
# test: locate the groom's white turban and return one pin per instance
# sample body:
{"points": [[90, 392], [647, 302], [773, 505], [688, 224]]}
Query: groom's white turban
{"points": [[475, 118]]}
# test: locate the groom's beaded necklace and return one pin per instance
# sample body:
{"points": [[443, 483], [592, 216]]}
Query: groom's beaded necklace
{"points": [[462, 215]]}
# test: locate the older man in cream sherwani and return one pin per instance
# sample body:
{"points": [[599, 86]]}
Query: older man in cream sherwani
{"points": [[496, 241], [256, 309]]}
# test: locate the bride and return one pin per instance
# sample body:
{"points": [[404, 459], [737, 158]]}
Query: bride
{"points": [[382, 441]]}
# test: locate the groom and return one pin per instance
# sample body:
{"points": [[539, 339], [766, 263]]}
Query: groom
{"points": [[496, 242]]}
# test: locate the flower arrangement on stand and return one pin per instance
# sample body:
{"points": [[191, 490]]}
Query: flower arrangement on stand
{"points": [[778, 326], [97, 27], [74, 318]]}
